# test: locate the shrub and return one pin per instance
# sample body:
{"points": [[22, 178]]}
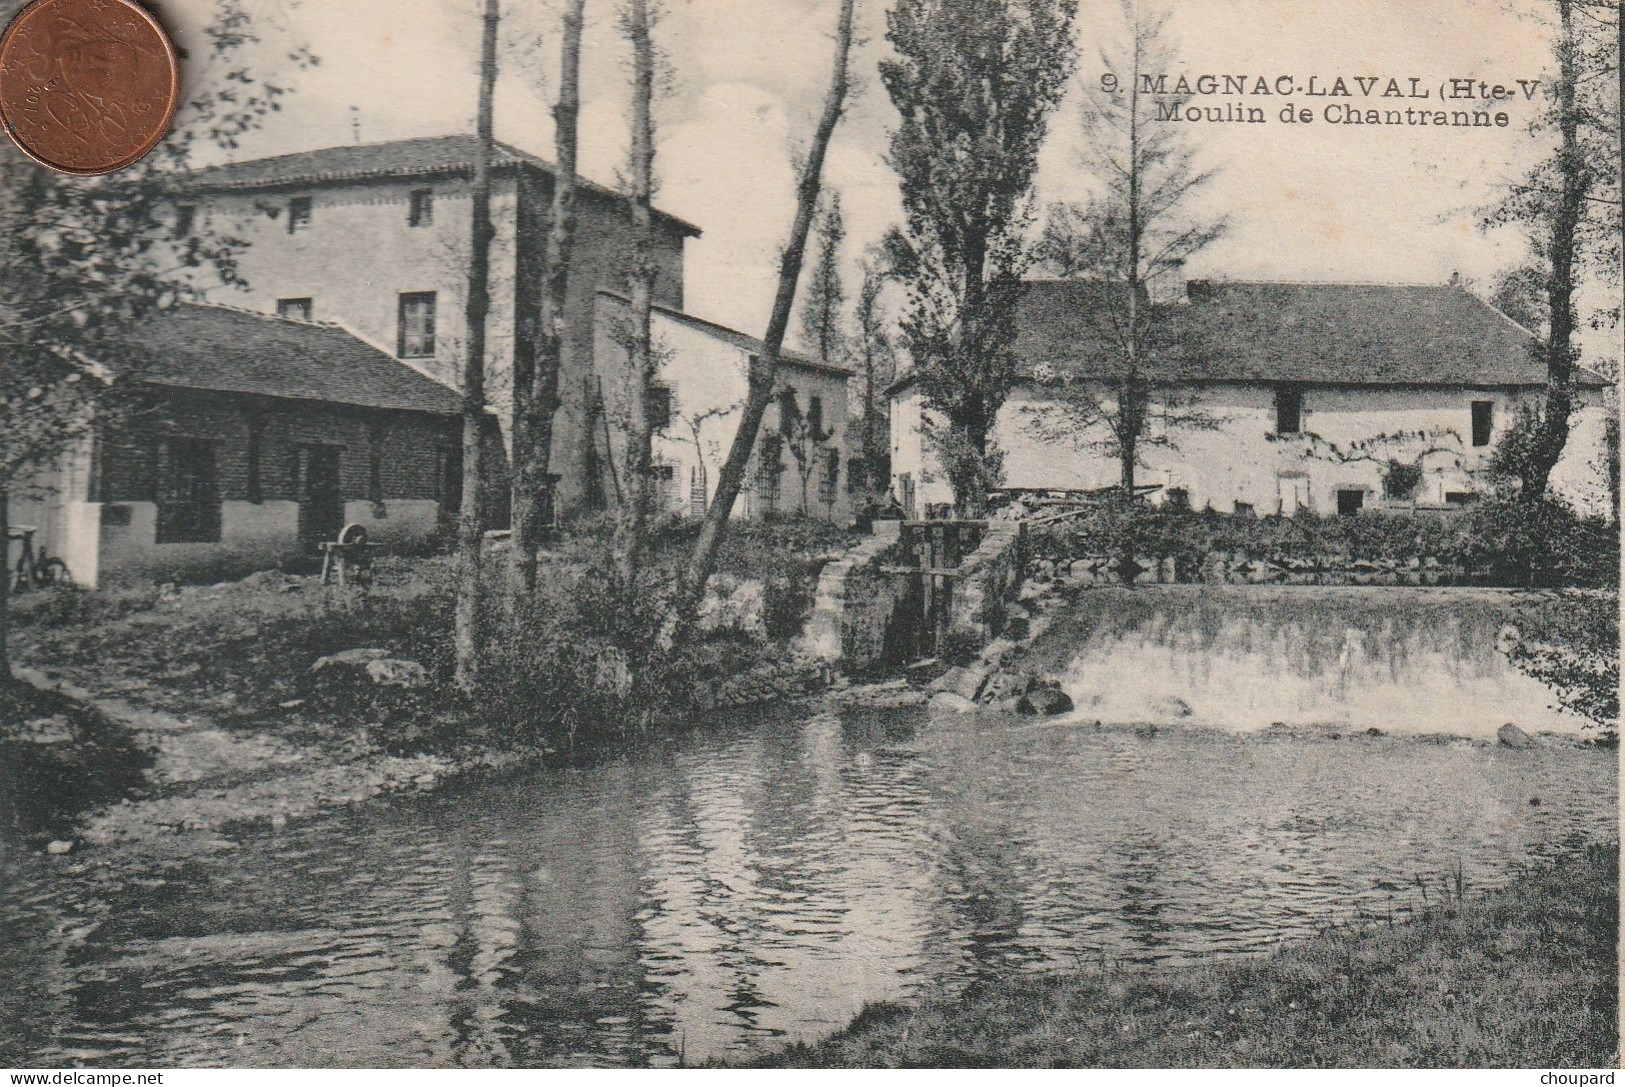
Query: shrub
{"points": [[1571, 643]]}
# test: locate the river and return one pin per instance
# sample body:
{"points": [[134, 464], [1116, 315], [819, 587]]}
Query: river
{"points": [[758, 881]]}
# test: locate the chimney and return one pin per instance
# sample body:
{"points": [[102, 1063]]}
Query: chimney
{"points": [[1166, 285]]}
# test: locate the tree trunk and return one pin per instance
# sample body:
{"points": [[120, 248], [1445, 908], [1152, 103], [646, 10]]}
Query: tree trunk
{"points": [[541, 399], [634, 520], [471, 528], [764, 373], [1553, 432]]}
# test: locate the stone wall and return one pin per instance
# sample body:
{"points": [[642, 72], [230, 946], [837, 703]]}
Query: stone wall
{"points": [[990, 577], [860, 608], [856, 603]]}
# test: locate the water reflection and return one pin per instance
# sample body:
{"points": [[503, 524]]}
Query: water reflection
{"points": [[754, 884]]}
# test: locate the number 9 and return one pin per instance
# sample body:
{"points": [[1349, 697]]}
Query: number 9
{"points": [[1108, 83]]}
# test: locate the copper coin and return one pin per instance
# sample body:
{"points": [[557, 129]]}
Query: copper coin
{"points": [[87, 86]]}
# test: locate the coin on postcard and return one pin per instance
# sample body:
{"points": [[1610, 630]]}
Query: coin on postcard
{"points": [[87, 86]]}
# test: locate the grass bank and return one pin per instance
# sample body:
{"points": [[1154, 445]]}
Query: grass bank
{"points": [[1526, 976], [213, 686]]}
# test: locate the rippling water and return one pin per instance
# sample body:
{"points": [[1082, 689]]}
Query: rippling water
{"points": [[756, 883]]}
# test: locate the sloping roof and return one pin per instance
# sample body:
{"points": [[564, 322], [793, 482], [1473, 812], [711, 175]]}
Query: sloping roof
{"points": [[424, 156], [1319, 333], [218, 349], [739, 339]]}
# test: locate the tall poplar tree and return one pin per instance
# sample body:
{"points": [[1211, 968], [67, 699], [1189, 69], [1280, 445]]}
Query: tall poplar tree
{"points": [[975, 82]]}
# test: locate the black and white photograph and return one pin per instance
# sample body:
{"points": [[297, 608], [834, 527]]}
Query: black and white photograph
{"points": [[809, 534]]}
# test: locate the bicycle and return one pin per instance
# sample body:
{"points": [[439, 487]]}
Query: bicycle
{"points": [[35, 569]]}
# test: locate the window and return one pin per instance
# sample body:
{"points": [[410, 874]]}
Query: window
{"points": [[769, 467], [417, 326], [1349, 503], [1459, 498], [661, 478], [421, 211], [815, 418], [659, 407], [295, 309], [1245, 509], [1288, 410], [298, 214], [1179, 498], [185, 219], [188, 495], [1483, 421]]}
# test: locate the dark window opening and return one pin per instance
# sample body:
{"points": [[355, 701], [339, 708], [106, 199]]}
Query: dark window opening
{"points": [[417, 321], [769, 467], [377, 434], [185, 219], [1350, 503], [829, 486], [659, 407], [295, 309], [1483, 421], [188, 491], [1288, 410], [1245, 509], [1179, 498], [661, 478], [298, 214], [815, 417], [1459, 498], [421, 212]]}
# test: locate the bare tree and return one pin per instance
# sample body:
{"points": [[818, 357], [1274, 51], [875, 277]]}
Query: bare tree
{"points": [[536, 378], [763, 375], [975, 82], [471, 525], [634, 518], [1136, 231]]}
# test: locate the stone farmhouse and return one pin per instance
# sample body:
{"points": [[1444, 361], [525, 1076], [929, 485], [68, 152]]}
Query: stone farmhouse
{"points": [[375, 238], [1303, 396], [247, 439], [800, 450], [319, 387]]}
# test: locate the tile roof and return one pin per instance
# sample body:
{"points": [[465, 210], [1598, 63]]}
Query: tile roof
{"points": [[739, 339], [1323, 333], [219, 349], [424, 156]]}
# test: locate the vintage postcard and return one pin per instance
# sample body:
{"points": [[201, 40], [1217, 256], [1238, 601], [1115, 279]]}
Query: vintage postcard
{"points": [[809, 533]]}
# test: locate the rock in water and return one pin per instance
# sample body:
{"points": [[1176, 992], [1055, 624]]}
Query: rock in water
{"points": [[1044, 702], [956, 703], [1171, 707], [1511, 735], [398, 673], [57, 849], [350, 658]]}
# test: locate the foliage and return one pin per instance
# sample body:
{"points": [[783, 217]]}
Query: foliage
{"points": [[1570, 642], [877, 366], [1569, 207], [1401, 478], [1501, 541], [826, 294], [974, 81]]}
